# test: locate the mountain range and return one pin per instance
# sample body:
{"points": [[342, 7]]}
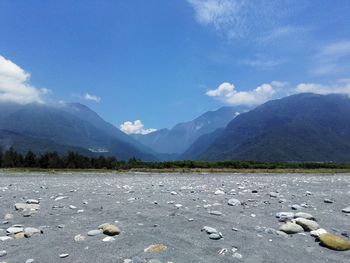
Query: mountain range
{"points": [[298, 128]]}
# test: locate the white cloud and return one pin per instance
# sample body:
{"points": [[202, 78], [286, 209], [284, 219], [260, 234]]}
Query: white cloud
{"points": [[135, 127], [333, 59], [241, 19], [228, 93], [92, 97], [341, 86], [14, 86]]}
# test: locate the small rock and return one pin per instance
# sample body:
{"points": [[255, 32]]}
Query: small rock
{"points": [[215, 236], [32, 201], [306, 224], [233, 202], [318, 232], [94, 232], [304, 215], [209, 230], [328, 201], [156, 248], [79, 238], [291, 228], [64, 255], [108, 239], [273, 194], [346, 210], [8, 216], [29, 231], [219, 192], [215, 213], [109, 229], [14, 230], [3, 253]]}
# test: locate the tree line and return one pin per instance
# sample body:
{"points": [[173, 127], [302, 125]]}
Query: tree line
{"points": [[73, 160]]}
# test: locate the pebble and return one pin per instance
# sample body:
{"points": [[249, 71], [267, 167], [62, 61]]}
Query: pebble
{"points": [[306, 224], [5, 238], [156, 248], [328, 201], [215, 213], [14, 230], [29, 231], [296, 207], [109, 229], [233, 202], [108, 239], [32, 201], [273, 194], [31, 260], [215, 236], [219, 192], [64, 255], [304, 215], [3, 253], [346, 210], [284, 216], [94, 232], [79, 238], [291, 228], [209, 230], [318, 232]]}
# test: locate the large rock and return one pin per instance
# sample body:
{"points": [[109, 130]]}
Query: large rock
{"points": [[291, 228], [306, 224], [109, 229], [334, 242]]}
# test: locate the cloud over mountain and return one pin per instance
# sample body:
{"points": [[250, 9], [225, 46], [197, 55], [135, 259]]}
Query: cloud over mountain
{"points": [[14, 84], [135, 127]]}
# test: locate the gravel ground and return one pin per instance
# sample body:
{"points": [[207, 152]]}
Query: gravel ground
{"points": [[147, 209]]}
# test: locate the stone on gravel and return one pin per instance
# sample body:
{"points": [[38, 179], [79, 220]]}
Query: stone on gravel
{"points": [[3, 253], [284, 216], [23, 206], [94, 232], [156, 248], [304, 215], [209, 230], [306, 224], [219, 192], [215, 236], [273, 194], [64, 255], [328, 201], [233, 202], [14, 230], [346, 210], [29, 231], [32, 201], [291, 228], [79, 238], [215, 213], [109, 229], [8, 216], [334, 242], [108, 239], [318, 232]]}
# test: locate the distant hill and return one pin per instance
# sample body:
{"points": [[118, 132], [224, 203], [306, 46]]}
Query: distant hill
{"points": [[65, 127], [303, 127], [180, 137]]}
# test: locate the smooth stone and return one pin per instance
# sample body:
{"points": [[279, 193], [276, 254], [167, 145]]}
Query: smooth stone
{"points": [[306, 224], [284, 216], [318, 232], [3, 253], [328, 201], [14, 230], [94, 232], [296, 207], [209, 230], [173, 193], [156, 248], [233, 202], [108, 239], [304, 215], [109, 229], [215, 213], [29, 231], [219, 192], [79, 238], [31, 260], [334, 242], [23, 206], [32, 201], [215, 236], [291, 228], [281, 233], [273, 194], [61, 198], [64, 255], [346, 210]]}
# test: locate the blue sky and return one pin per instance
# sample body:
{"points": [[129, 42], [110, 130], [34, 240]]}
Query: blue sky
{"points": [[162, 62]]}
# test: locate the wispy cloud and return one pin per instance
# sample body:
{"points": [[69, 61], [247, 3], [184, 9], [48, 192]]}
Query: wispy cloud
{"points": [[262, 62], [14, 84], [341, 86], [228, 93], [92, 98], [135, 127], [252, 20], [332, 59]]}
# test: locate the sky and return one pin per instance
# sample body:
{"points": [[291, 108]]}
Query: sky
{"points": [[146, 65]]}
